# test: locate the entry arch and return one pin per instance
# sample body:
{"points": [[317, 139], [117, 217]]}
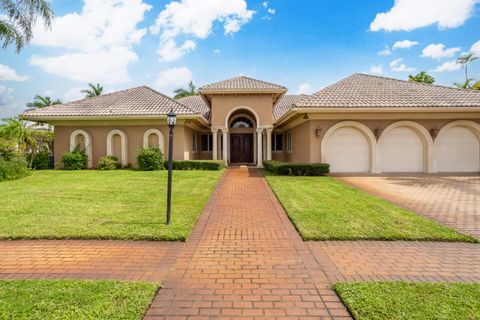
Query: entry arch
{"points": [[351, 146], [237, 110], [87, 140], [160, 137], [123, 145]]}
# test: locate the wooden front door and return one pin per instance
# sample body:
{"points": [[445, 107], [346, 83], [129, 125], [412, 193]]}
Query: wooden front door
{"points": [[241, 148]]}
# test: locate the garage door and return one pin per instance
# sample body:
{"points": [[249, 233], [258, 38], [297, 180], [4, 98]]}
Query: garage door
{"points": [[402, 151], [347, 150], [458, 150]]}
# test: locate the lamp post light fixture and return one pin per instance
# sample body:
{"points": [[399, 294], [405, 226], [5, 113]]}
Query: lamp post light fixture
{"points": [[171, 121]]}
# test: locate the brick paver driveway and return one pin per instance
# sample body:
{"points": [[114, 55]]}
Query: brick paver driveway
{"points": [[451, 200]]}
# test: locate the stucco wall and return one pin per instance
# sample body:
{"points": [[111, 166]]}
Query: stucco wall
{"points": [[223, 105]]}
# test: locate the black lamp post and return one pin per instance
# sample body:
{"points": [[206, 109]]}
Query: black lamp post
{"points": [[171, 121]]}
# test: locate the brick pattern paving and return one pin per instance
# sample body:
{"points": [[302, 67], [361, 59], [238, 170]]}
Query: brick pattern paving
{"points": [[87, 259], [245, 260], [397, 260], [451, 200]]}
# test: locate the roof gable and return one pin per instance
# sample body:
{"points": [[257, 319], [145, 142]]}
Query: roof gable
{"points": [[196, 103], [242, 83]]}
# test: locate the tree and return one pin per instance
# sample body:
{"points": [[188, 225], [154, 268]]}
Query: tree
{"points": [[464, 85], [93, 90], [476, 85], [423, 77], [464, 61], [17, 18], [185, 92], [15, 129], [42, 102]]}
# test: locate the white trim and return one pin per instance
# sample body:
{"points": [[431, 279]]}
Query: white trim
{"points": [[257, 117], [88, 144], [161, 138], [123, 139], [374, 163], [428, 163]]}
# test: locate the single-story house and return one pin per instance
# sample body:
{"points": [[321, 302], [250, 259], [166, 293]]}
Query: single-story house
{"points": [[361, 124]]}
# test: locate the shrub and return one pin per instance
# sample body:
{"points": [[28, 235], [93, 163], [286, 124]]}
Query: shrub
{"points": [[14, 168], [41, 161], [74, 160], [108, 163], [297, 169], [150, 159], [197, 164], [7, 148]]}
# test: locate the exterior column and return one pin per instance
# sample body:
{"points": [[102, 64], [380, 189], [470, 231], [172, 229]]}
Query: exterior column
{"points": [[259, 147], [269, 144], [225, 145], [214, 144]]}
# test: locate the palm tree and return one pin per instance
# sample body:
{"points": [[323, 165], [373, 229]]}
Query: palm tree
{"points": [[464, 61], [182, 92], [42, 102], [17, 18], [476, 85], [15, 129], [464, 85], [422, 77], [93, 91]]}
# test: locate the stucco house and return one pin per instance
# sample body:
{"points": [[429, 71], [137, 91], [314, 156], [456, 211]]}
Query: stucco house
{"points": [[363, 123]]}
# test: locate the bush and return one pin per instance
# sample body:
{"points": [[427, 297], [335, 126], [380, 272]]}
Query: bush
{"points": [[108, 163], [297, 169], [41, 161], [74, 160], [7, 148], [14, 168], [197, 164], [150, 159]]}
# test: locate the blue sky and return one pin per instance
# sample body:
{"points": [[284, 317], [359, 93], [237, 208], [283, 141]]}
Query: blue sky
{"points": [[302, 44]]}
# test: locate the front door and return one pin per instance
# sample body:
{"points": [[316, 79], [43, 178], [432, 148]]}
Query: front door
{"points": [[241, 148]]}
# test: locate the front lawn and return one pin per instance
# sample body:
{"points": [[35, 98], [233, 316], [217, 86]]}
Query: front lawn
{"points": [[402, 300], [74, 299], [123, 204], [323, 208]]}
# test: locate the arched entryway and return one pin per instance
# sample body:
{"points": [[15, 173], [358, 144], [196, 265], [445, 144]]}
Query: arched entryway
{"points": [[241, 129]]}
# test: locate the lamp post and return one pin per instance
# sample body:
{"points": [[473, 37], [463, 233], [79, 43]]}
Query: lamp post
{"points": [[171, 121]]}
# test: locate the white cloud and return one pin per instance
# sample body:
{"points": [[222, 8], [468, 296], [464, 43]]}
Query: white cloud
{"points": [[438, 51], [376, 69], [169, 51], [407, 15], [9, 74], [271, 10], [73, 94], [8, 107], [397, 66], [385, 52], [100, 39], [265, 4], [404, 44], [174, 77], [448, 66], [195, 19], [304, 88], [217, 51], [476, 48]]}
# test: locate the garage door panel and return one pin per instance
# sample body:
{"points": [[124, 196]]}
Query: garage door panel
{"points": [[402, 151], [348, 150], [458, 150]]}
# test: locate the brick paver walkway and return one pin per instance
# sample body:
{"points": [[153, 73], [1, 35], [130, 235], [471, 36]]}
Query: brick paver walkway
{"points": [[87, 259], [245, 259], [451, 200]]}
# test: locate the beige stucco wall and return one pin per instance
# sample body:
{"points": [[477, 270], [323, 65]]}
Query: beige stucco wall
{"points": [[223, 105]]}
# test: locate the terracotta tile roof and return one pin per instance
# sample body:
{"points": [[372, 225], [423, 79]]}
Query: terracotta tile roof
{"points": [[285, 104], [139, 101], [366, 91], [198, 104], [242, 83]]}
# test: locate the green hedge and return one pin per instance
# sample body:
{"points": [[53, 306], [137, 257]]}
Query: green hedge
{"points": [[150, 159], [197, 164], [14, 168], [297, 169], [41, 160], [74, 160], [108, 163]]}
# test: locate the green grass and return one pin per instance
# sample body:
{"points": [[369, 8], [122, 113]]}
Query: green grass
{"points": [[323, 208], [402, 300], [123, 204], [74, 299]]}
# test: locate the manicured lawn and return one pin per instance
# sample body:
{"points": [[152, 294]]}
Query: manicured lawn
{"points": [[74, 299], [401, 300], [323, 208], [123, 204]]}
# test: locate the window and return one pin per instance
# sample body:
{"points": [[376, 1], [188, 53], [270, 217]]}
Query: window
{"points": [[207, 142], [277, 141], [194, 142], [241, 122], [289, 141]]}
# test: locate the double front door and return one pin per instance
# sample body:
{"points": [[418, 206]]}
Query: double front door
{"points": [[241, 148]]}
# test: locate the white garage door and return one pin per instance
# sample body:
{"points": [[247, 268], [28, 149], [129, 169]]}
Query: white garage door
{"points": [[402, 151], [347, 150], [458, 150]]}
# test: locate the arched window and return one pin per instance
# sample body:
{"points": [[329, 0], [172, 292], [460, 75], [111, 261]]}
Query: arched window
{"points": [[82, 141], [154, 138], [241, 122], [121, 138]]}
